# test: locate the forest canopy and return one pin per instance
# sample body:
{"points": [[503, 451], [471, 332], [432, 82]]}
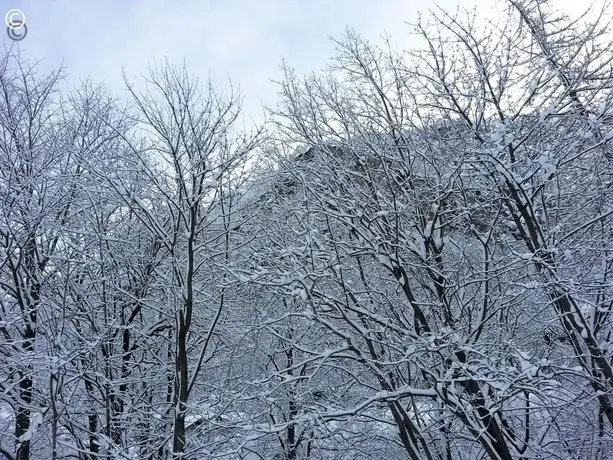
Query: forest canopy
{"points": [[410, 258]]}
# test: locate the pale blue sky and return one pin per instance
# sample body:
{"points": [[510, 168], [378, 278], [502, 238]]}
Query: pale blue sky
{"points": [[243, 39]]}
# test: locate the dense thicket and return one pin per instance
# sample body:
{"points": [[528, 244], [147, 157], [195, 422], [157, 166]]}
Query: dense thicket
{"points": [[411, 259]]}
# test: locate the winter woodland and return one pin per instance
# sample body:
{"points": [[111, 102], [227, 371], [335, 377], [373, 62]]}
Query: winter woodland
{"points": [[411, 258]]}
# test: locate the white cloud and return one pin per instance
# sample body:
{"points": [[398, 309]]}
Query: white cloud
{"points": [[243, 39]]}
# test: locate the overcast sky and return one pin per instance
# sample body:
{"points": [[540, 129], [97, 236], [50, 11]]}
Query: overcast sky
{"points": [[241, 39]]}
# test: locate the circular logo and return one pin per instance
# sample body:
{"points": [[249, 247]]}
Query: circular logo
{"points": [[15, 21]]}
